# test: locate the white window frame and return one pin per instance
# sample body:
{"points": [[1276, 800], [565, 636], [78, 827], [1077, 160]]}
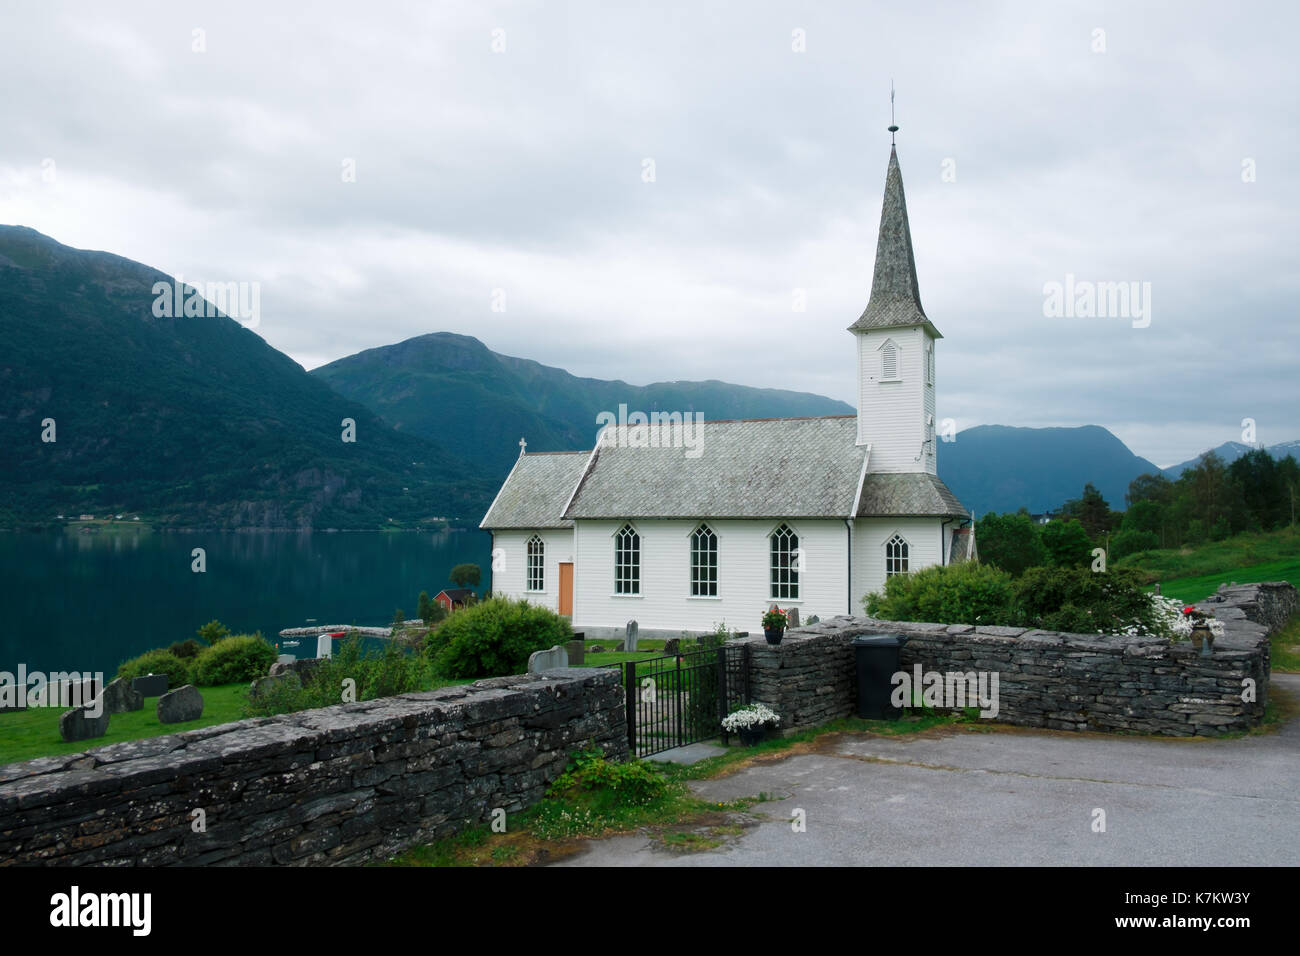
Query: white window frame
{"points": [[793, 555], [893, 560], [535, 565], [627, 561], [703, 585]]}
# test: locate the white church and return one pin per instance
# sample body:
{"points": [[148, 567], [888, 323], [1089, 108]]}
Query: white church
{"points": [[683, 527]]}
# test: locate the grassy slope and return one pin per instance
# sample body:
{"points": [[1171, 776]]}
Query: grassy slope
{"points": [[1193, 574]]}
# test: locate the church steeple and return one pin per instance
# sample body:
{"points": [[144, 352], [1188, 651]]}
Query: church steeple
{"points": [[895, 294]]}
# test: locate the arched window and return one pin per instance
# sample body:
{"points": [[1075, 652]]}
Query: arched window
{"points": [[889, 361], [929, 363], [895, 556], [536, 564], [704, 562], [627, 561], [785, 564]]}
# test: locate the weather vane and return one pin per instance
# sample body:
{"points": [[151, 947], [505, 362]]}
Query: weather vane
{"points": [[892, 127]]}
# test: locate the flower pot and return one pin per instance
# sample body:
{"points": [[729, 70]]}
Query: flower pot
{"points": [[752, 735], [774, 634], [1202, 639]]}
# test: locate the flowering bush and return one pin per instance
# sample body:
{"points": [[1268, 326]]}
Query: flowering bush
{"points": [[750, 717], [775, 618], [1175, 620]]}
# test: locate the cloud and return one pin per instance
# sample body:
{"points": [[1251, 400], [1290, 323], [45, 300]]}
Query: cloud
{"points": [[522, 170]]}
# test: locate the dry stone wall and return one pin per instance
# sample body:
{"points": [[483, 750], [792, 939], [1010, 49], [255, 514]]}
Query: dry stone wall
{"points": [[1046, 678], [340, 785]]}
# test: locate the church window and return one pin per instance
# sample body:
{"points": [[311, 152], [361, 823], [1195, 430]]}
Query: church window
{"points": [[889, 362], [627, 561], [895, 556], [785, 564], [929, 364], [536, 564], [704, 562]]}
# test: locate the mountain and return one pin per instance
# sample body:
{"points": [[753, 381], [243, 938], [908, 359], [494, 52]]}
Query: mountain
{"points": [[1000, 468], [1230, 451], [453, 388], [193, 421]]}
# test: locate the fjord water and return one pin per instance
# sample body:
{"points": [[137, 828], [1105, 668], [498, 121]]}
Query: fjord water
{"points": [[88, 602]]}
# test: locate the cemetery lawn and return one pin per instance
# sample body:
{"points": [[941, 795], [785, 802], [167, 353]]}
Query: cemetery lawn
{"points": [[26, 734], [1193, 574]]}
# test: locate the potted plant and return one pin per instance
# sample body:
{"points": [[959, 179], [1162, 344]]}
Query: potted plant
{"points": [[1201, 627], [751, 722], [774, 622]]}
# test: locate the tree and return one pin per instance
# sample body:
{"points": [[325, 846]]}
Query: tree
{"points": [[466, 575], [1090, 510], [1011, 542], [1155, 488], [424, 607], [1067, 544], [212, 632], [399, 617]]}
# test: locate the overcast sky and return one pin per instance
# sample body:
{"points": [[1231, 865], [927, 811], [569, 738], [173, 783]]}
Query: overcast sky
{"points": [[1112, 142]]}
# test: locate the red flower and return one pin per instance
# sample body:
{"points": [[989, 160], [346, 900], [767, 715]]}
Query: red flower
{"points": [[1188, 610]]}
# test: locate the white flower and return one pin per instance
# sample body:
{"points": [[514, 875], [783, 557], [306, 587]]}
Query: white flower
{"points": [[750, 716]]}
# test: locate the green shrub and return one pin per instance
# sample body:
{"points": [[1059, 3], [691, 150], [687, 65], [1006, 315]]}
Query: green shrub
{"points": [[157, 662], [243, 657], [186, 649], [495, 638], [376, 674], [1132, 542], [965, 593], [1082, 601]]}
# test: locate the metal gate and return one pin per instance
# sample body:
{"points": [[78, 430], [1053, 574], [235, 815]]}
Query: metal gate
{"points": [[681, 699]]}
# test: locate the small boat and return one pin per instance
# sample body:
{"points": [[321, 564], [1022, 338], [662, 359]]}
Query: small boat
{"points": [[289, 643]]}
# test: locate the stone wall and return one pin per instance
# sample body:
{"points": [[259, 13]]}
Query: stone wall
{"points": [[1047, 679], [340, 785]]}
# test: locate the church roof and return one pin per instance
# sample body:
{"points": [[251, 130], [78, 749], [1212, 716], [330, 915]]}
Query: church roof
{"points": [[919, 494], [763, 468], [536, 490], [895, 294]]}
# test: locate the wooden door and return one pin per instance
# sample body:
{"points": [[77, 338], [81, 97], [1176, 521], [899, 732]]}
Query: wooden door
{"points": [[566, 588]]}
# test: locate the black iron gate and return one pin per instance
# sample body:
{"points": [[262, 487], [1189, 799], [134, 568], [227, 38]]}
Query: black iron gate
{"points": [[681, 699]]}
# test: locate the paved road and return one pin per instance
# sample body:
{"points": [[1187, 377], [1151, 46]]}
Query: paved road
{"points": [[959, 796]]}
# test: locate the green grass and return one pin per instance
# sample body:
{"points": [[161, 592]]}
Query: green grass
{"points": [[27, 734], [1198, 588], [1284, 652], [1239, 551]]}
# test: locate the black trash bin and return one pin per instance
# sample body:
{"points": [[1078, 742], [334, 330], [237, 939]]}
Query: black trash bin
{"points": [[877, 663]]}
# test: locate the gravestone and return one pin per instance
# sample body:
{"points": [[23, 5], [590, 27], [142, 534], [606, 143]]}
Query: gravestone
{"points": [[577, 652], [595, 649], [151, 685], [673, 645], [178, 706], [84, 723], [792, 617], [285, 658], [265, 685], [324, 646], [632, 629], [539, 661], [620, 646], [120, 697]]}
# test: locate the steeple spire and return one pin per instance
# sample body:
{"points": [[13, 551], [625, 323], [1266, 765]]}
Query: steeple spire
{"points": [[895, 294]]}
